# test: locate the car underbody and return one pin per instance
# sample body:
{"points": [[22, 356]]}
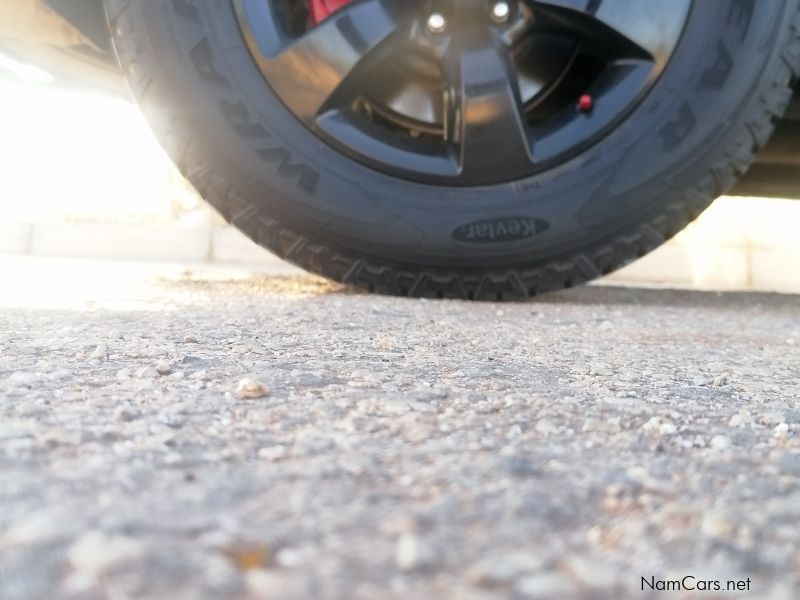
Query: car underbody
{"points": [[70, 38]]}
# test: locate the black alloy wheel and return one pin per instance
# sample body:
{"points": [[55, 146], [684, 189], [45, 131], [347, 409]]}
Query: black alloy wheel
{"points": [[457, 92]]}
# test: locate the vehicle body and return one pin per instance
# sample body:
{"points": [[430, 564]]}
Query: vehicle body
{"points": [[71, 39]]}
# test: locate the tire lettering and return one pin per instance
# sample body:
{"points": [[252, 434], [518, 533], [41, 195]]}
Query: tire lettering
{"points": [[674, 132], [307, 178], [240, 119], [203, 60], [741, 14], [717, 74]]}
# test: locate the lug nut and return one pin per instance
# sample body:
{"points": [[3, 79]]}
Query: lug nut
{"points": [[501, 11], [437, 23]]}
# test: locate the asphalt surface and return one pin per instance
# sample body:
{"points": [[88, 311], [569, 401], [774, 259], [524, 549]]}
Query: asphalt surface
{"points": [[176, 434]]}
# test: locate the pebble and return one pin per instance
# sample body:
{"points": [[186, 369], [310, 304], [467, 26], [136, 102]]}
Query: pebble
{"points": [[720, 380], [272, 453], [100, 353], [414, 554], [251, 389], [771, 419], [601, 371], [545, 585], [667, 428], [593, 425], [147, 373], [652, 424], [23, 379], [781, 431], [740, 420], [593, 571], [720, 442], [546, 427], [94, 553], [163, 367]]}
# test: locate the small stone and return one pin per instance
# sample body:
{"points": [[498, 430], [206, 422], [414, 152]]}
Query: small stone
{"points": [[720, 442], [781, 431], [545, 585], [593, 425], [268, 583], [667, 428], [413, 554], [740, 420], [41, 527], [720, 380], [771, 419], [114, 334], [293, 558], [147, 373], [272, 453], [123, 374], [163, 367], [600, 371], [22, 379], [94, 553], [546, 427], [593, 572], [718, 526], [248, 557], [100, 353], [606, 325], [250, 389], [653, 424]]}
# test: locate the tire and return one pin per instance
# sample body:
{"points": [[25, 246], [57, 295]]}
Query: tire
{"points": [[684, 144]]}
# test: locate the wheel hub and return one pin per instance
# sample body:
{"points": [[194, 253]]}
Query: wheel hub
{"points": [[462, 93]]}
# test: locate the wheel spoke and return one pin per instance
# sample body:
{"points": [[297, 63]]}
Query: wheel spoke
{"points": [[626, 28], [485, 118], [308, 71]]}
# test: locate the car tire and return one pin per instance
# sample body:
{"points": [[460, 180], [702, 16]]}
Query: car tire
{"points": [[611, 201]]}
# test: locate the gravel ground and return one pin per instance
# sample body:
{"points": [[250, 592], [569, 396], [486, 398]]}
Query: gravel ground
{"points": [[167, 434]]}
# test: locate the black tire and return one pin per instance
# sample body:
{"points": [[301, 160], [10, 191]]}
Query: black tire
{"points": [[685, 144]]}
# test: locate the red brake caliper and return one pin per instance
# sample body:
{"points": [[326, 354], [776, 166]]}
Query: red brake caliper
{"points": [[322, 9]]}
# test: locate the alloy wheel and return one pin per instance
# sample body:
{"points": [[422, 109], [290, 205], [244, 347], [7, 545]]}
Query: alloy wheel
{"points": [[462, 92]]}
